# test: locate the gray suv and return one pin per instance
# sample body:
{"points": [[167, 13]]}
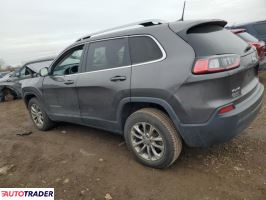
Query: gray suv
{"points": [[158, 84]]}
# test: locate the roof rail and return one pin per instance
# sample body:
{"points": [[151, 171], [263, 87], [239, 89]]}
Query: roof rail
{"points": [[145, 23]]}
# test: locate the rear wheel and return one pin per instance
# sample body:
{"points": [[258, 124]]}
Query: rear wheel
{"points": [[153, 138], [39, 116]]}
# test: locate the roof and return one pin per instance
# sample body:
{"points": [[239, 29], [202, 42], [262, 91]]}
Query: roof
{"points": [[146, 23], [144, 27]]}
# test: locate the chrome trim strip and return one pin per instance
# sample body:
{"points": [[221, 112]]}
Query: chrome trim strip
{"points": [[128, 66]]}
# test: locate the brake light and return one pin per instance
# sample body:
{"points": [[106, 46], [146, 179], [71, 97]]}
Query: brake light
{"points": [[226, 109], [215, 64]]}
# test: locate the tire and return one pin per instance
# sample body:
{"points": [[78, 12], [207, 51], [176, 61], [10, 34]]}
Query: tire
{"points": [[163, 140], [47, 123], [7, 95]]}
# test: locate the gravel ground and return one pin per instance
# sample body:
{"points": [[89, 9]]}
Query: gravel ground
{"points": [[84, 163]]}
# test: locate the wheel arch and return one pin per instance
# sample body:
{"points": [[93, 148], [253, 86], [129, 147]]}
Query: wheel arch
{"points": [[28, 97], [28, 94], [13, 90], [130, 105]]}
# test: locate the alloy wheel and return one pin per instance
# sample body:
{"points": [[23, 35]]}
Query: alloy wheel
{"points": [[37, 115], [147, 141]]}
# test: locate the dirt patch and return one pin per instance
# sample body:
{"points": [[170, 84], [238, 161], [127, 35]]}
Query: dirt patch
{"points": [[84, 163]]}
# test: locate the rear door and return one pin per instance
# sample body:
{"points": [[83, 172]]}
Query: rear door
{"points": [[59, 88], [105, 83]]}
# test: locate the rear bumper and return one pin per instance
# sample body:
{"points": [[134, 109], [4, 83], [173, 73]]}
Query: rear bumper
{"points": [[221, 128]]}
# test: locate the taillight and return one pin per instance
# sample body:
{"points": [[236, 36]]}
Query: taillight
{"points": [[215, 64], [226, 109]]}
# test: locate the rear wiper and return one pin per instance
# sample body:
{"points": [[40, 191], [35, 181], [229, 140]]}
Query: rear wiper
{"points": [[247, 48]]}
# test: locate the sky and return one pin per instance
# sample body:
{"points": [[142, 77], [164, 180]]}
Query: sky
{"points": [[32, 29]]}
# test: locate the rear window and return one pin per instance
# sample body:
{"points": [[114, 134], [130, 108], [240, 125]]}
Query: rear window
{"points": [[247, 37], [214, 40], [260, 28], [144, 49]]}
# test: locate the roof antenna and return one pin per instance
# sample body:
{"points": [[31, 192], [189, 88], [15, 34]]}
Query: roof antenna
{"points": [[184, 7]]}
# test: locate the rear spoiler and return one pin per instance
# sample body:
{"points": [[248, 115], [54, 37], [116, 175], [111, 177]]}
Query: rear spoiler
{"points": [[182, 27]]}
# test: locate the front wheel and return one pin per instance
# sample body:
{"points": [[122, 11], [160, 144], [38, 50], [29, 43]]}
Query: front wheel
{"points": [[152, 137], [38, 115]]}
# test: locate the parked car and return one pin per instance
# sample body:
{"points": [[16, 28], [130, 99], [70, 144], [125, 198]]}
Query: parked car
{"points": [[2, 74], [257, 29], [259, 45], [5, 76], [158, 84], [10, 84]]}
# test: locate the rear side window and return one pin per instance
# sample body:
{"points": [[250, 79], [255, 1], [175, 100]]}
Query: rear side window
{"points": [[260, 28], [214, 40], [108, 54], [247, 37], [144, 49]]}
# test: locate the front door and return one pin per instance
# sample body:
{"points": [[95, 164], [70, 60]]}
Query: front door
{"points": [[105, 83], [59, 88]]}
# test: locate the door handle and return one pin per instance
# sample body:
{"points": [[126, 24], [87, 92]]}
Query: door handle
{"points": [[118, 78], [69, 82]]}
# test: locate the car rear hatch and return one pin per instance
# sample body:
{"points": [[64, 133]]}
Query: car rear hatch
{"points": [[231, 79]]}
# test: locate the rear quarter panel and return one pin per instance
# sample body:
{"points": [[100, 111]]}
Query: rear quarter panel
{"points": [[162, 79]]}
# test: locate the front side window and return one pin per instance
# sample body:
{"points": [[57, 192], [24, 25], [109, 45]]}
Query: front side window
{"points": [[70, 62], [108, 54], [144, 49]]}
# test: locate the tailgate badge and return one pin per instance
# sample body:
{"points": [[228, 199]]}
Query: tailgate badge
{"points": [[236, 92]]}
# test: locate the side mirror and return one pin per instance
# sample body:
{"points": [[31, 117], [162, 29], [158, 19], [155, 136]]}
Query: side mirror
{"points": [[44, 72]]}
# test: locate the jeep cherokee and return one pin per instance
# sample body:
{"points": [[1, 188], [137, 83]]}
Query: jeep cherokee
{"points": [[158, 84]]}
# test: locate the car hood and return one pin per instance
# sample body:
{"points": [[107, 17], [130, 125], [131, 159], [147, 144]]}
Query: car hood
{"points": [[4, 79], [35, 68]]}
